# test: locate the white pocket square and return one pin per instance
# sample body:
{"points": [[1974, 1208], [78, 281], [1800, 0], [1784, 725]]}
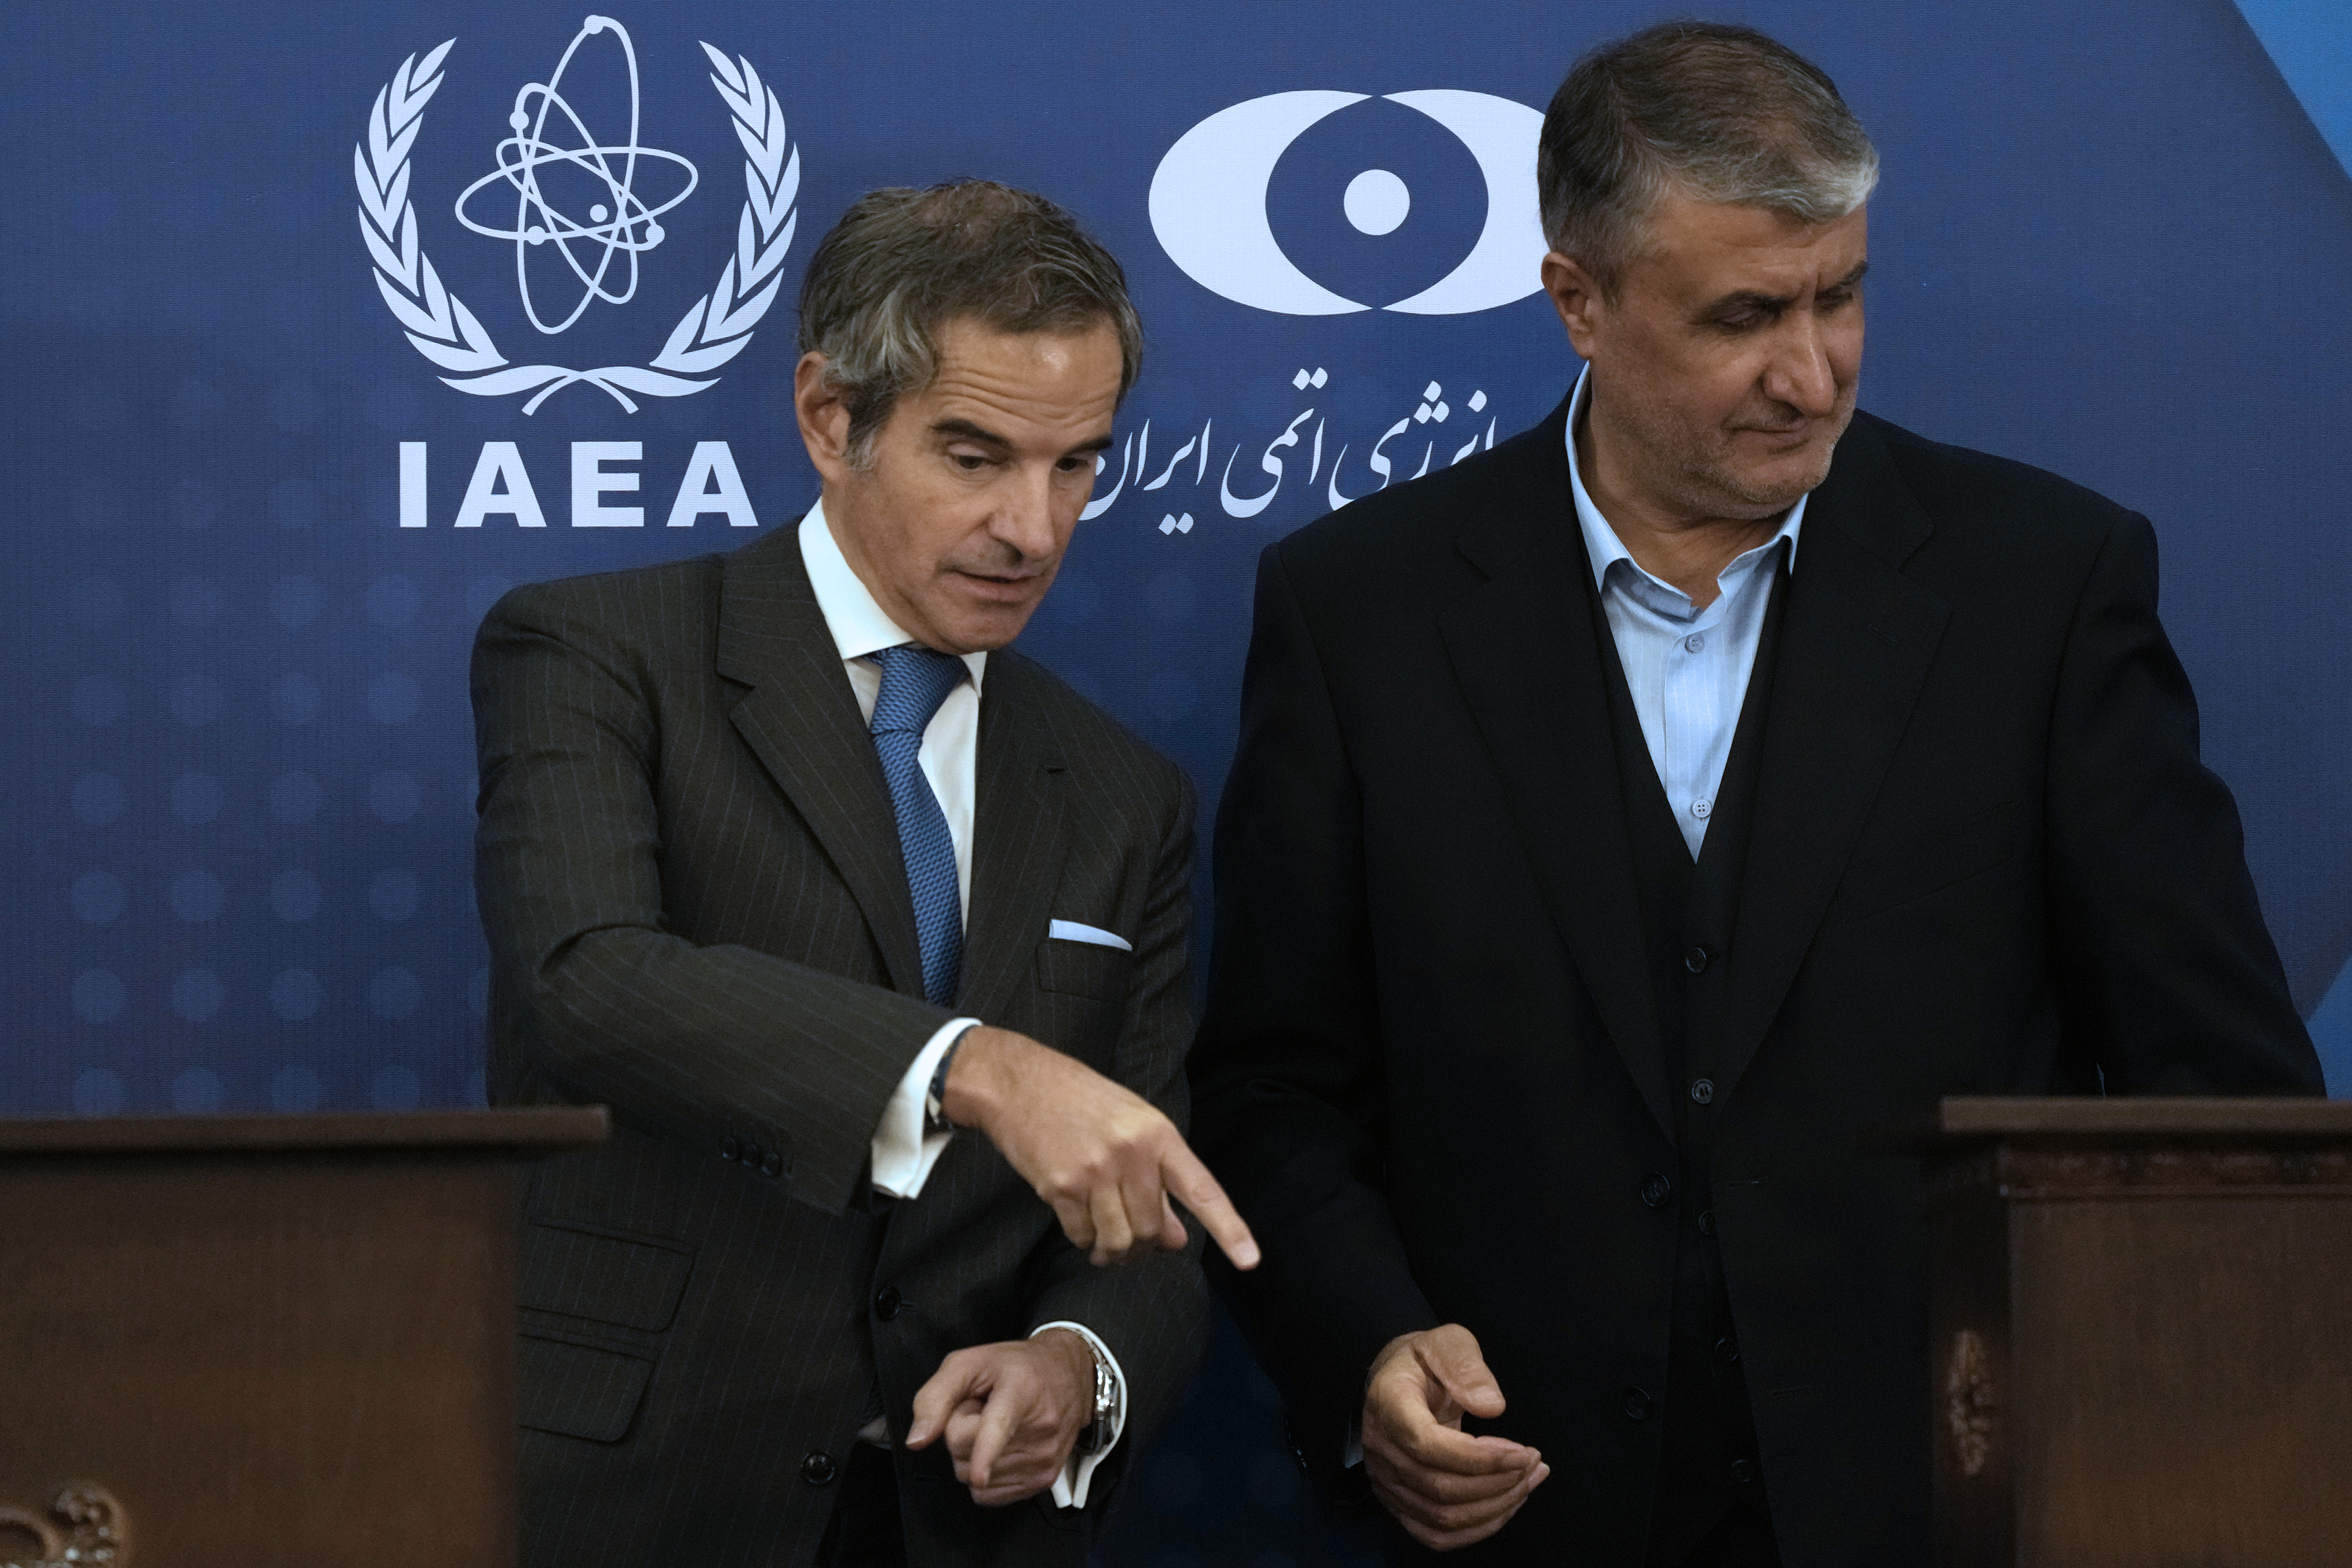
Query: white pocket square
{"points": [[1071, 931]]}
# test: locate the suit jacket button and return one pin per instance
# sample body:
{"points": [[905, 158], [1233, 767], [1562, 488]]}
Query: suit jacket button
{"points": [[1742, 1472], [1726, 1350], [818, 1468], [1657, 1191], [1702, 1092], [731, 1150], [1695, 960], [773, 1164], [887, 1302], [1706, 1221], [1637, 1405]]}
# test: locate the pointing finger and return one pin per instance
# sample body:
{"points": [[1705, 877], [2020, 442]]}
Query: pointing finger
{"points": [[1182, 1171]]}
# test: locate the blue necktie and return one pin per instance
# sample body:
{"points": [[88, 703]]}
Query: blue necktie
{"points": [[915, 681]]}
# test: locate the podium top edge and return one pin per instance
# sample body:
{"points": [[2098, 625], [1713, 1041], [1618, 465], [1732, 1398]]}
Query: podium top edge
{"points": [[526, 1132], [1962, 1121]]}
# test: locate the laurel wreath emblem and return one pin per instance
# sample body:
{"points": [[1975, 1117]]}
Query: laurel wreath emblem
{"points": [[714, 330]]}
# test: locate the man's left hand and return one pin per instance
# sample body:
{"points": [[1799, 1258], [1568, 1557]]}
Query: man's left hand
{"points": [[1010, 1412]]}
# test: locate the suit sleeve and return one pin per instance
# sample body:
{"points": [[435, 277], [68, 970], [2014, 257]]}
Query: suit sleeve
{"points": [[701, 1044], [2168, 971], [1152, 1314], [1287, 1071]]}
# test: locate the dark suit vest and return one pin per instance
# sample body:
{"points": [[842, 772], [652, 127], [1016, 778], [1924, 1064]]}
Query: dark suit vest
{"points": [[1689, 910]]}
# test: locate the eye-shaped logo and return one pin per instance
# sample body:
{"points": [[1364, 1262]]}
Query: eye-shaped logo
{"points": [[1208, 203]]}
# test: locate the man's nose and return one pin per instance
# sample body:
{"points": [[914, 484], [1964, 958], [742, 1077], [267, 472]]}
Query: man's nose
{"points": [[1801, 374], [1025, 515]]}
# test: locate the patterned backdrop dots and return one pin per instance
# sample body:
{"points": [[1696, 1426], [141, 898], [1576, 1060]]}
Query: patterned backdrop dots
{"points": [[98, 799], [96, 603], [394, 1089], [295, 796], [98, 898], [196, 798], [197, 994], [296, 600], [99, 995], [393, 992], [294, 896], [198, 1090], [391, 600], [393, 796], [394, 894], [98, 1091], [196, 699], [196, 602], [99, 700], [296, 1089], [393, 697], [295, 995], [295, 698], [197, 897]]}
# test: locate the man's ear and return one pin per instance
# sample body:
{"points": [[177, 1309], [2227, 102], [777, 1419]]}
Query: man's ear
{"points": [[824, 417], [1578, 300]]}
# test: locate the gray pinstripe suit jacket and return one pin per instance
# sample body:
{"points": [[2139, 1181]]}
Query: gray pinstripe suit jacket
{"points": [[692, 884]]}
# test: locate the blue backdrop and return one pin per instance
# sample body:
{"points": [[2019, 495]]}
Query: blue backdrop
{"points": [[281, 425]]}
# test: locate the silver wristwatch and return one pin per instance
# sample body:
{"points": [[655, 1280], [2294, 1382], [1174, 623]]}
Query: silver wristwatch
{"points": [[1097, 1435]]}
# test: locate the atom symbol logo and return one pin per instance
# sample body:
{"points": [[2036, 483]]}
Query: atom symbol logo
{"points": [[621, 225], [716, 326]]}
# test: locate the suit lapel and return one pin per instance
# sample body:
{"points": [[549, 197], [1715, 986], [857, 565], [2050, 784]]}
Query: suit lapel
{"points": [[1855, 647], [1017, 837], [800, 718], [1523, 646]]}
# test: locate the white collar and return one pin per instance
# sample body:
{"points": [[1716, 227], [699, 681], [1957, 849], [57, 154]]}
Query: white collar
{"points": [[856, 622], [1601, 540]]}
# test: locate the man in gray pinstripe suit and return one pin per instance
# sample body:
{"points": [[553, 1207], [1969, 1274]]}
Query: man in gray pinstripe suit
{"points": [[784, 857]]}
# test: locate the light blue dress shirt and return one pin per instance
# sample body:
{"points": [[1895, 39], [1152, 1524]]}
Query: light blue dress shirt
{"points": [[1688, 667]]}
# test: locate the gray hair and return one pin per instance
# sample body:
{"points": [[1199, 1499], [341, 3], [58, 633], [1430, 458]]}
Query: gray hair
{"points": [[1721, 112], [902, 263]]}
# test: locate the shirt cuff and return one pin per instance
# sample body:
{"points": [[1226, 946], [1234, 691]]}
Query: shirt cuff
{"points": [[1070, 1486], [903, 1151]]}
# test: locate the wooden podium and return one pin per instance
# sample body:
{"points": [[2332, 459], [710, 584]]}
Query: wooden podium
{"points": [[263, 1341], [2141, 1332]]}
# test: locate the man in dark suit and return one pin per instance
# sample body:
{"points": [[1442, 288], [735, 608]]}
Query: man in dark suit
{"points": [[778, 858], [1625, 819]]}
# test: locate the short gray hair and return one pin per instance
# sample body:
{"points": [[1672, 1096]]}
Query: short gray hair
{"points": [[1722, 112], [902, 263]]}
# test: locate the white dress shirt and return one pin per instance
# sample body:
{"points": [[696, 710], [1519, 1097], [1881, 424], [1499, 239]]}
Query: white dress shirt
{"points": [[1688, 669], [903, 1150]]}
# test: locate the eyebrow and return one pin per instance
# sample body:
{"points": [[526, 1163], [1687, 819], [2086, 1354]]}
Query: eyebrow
{"points": [[971, 432], [1753, 298]]}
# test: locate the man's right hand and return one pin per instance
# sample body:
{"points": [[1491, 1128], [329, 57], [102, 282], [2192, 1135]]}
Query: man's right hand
{"points": [[1445, 1486], [1101, 1154]]}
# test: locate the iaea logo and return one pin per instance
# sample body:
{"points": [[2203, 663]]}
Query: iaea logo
{"points": [[1208, 203], [624, 225]]}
